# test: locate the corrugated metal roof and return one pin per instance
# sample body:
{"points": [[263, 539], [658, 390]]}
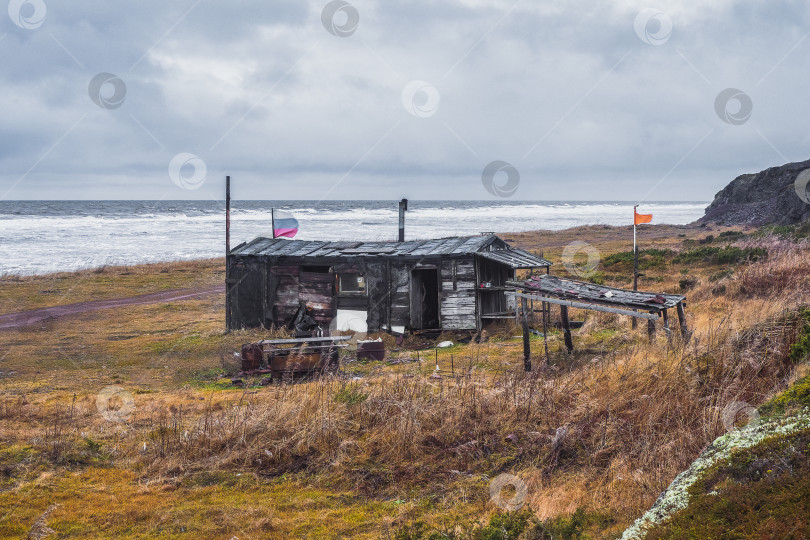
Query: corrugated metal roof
{"points": [[570, 289], [282, 247], [516, 258]]}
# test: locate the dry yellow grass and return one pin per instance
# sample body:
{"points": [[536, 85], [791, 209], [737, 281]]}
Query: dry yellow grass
{"points": [[340, 457]]}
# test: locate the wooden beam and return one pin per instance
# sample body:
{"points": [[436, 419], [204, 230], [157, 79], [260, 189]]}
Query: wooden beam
{"points": [[666, 327], [293, 341], [546, 308], [651, 330], [682, 320], [583, 305], [566, 324], [527, 352]]}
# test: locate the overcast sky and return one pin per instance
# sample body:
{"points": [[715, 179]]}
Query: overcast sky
{"points": [[612, 100]]}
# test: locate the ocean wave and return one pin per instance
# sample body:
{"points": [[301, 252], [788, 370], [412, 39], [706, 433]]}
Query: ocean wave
{"points": [[55, 236]]}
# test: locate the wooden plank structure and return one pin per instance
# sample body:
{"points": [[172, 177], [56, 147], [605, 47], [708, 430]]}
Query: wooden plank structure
{"points": [[420, 285], [293, 357], [583, 295]]}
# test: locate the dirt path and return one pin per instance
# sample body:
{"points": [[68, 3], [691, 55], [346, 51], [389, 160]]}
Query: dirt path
{"points": [[10, 321]]}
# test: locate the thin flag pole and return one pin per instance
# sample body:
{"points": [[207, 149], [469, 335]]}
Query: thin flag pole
{"points": [[635, 252], [273, 220], [227, 253], [634, 323]]}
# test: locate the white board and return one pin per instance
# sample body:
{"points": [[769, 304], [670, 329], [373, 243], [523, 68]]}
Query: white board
{"points": [[351, 319]]}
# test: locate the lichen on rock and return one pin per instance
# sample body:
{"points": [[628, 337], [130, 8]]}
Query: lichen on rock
{"points": [[676, 496]]}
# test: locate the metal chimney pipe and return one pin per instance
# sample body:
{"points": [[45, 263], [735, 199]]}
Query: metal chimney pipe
{"points": [[403, 207]]}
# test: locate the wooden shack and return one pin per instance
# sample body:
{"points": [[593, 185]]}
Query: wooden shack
{"points": [[440, 284]]}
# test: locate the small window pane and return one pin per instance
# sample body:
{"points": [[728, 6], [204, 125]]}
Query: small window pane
{"points": [[353, 284]]}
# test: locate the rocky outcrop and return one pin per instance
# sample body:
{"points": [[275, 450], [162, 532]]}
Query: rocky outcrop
{"points": [[768, 197], [677, 497]]}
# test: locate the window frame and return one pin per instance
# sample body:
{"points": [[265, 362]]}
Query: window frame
{"points": [[340, 276]]}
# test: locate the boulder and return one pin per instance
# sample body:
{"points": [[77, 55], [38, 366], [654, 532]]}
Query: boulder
{"points": [[766, 198]]}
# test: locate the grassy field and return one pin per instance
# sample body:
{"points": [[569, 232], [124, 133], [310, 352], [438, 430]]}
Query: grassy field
{"points": [[174, 449]]}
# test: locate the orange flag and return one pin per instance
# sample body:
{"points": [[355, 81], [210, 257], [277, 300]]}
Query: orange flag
{"points": [[641, 218]]}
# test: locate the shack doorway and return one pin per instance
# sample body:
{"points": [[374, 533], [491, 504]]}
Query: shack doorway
{"points": [[425, 299]]}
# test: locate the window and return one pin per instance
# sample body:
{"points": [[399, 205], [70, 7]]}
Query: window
{"points": [[351, 284]]}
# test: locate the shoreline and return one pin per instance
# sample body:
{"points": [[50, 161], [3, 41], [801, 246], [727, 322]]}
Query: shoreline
{"points": [[550, 238], [49, 238]]}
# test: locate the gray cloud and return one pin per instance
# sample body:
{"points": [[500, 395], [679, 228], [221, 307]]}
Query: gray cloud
{"points": [[570, 96]]}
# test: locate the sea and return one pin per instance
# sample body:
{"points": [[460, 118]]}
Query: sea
{"points": [[41, 237]]}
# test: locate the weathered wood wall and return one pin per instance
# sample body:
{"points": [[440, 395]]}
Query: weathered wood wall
{"points": [[247, 304], [317, 289], [267, 293], [284, 304], [399, 288], [457, 309], [493, 299]]}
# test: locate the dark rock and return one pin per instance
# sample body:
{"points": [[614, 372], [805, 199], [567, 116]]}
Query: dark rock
{"points": [[765, 198]]}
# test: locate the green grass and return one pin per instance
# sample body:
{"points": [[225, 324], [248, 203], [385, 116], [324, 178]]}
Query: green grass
{"points": [[349, 395], [798, 395], [647, 258], [720, 255], [800, 350], [794, 232], [513, 525]]}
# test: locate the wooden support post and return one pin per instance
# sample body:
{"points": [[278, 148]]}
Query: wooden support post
{"points": [[546, 306], [682, 321], [667, 330], [566, 324], [651, 329], [527, 352]]}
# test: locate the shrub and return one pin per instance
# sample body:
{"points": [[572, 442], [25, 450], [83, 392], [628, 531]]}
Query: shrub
{"points": [[725, 255], [801, 348], [798, 231], [597, 278], [717, 276], [647, 258], [731, 235], [687, 283]]}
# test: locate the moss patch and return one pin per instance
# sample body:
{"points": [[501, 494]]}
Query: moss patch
{"points": [[761, 492]]}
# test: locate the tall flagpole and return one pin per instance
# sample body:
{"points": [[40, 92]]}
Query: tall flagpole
{"points": [[635, 260], [635, 252], [227, 254], [273, 220]]}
